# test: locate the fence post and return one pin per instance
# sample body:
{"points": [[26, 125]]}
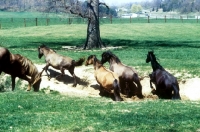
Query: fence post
{"points": [[24, 22], [197, 19], [36, 22], [165, 19], [130, 20], [181, 18], [110, 19], [148, 20], [69, 20], [47, 21]]}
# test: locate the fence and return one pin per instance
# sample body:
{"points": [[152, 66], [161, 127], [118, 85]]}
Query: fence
{"points": [[6, 23]]}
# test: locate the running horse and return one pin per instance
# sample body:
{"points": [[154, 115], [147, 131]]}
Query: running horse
{"points": [[19, 66], [59, 62], [128, 76], [166, 84], [107, 79]]}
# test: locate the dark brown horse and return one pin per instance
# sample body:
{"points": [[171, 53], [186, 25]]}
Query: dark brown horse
{"points": [[107, 79], [19, 66], [59, 62], [127, 75], [166, 84]]}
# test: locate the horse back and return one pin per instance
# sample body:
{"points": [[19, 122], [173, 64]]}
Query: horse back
{"points": [[56, 60], [4, 57], [164, 77], [21, 66], [105, 77]]}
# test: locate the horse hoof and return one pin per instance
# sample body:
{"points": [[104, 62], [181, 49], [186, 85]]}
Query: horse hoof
{"points": [[74, 85], [28, 90], [120, 99]]}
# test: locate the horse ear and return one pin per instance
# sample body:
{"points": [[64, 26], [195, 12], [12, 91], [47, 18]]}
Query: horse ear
{"points": [[95, 58]]}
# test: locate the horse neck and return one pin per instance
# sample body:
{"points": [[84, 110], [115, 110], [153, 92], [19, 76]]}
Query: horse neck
{"points": [[30, 67], [47, 51], [155, 65], [113, 61], [97, 64]]}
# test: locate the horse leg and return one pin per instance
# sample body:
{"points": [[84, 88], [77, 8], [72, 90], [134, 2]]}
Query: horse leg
{"points": [[46, 68], [62, 73], [127, 89], [30, 81], [13, 82], [117, 90], [176, 92], [71, 71], [151, 84], [139, 86], [101, 91]]}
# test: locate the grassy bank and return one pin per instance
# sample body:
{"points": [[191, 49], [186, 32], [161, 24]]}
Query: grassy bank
{"points": [[27, 111], [176, 45]]}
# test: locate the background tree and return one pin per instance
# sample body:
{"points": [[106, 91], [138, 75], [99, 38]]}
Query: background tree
{"points": [[91, 12], [136, 8]]}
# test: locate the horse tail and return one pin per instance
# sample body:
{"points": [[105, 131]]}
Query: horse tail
{"points": [[141, 78], [176, 92], [79, 62], [117, 90], [136, 79]]}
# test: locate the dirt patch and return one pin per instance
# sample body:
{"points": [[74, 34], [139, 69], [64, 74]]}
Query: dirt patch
{"points": [[87, 85]]}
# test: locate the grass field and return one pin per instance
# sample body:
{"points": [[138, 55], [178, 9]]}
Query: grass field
{"points": [[175, 44]]}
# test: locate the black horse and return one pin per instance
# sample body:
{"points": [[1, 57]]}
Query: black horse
{"points": [[128, 76], [166, 84]]}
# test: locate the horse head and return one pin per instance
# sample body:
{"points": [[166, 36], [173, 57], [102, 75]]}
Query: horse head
{"points": [[149, 56], [107, 56], [90, 60], [37, 81], [40, 51]]}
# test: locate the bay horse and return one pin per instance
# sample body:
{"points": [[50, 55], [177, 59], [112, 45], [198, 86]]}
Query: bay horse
{"points": [[107, 79], [21, 67], [59, 62], [166, 84], [128, 76]]}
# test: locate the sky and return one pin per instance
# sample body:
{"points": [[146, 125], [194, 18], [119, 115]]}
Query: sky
{"points": [[117, 2]]}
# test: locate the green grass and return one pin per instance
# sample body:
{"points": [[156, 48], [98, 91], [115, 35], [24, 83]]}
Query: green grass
{"points": [[175, 44], [28, 19], [28, 111]]}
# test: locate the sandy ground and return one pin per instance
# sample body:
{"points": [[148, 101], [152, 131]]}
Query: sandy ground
{"points": [[87, 85]]}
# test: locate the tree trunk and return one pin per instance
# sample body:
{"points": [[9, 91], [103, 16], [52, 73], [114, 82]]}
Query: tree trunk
{"points": [[93, 39]]}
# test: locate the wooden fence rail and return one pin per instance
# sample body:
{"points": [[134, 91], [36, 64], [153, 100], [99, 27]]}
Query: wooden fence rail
{"points": [[25, 22]]}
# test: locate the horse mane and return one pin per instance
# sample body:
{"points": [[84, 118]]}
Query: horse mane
{"points": [[154, 58], [28, 65], [47, 48], [114, 56]]}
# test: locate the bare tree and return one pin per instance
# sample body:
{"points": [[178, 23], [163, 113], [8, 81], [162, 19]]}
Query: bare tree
{"points": [[88, 9]]}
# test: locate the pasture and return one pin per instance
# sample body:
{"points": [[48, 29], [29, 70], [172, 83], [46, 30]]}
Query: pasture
{"points": [[175, 44]]}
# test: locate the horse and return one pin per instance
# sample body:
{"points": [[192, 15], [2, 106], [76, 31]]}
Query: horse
{"points": [[19, 66], [107, 79], [59, 62], [128, 76], [166, 84]]}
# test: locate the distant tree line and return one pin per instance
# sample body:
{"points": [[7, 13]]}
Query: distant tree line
{"points": [[182, 6], [46, 6]]}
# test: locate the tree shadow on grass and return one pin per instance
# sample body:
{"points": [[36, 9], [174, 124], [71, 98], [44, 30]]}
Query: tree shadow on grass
{"points": [[148, 43], [66, 79], [113, 42]]}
